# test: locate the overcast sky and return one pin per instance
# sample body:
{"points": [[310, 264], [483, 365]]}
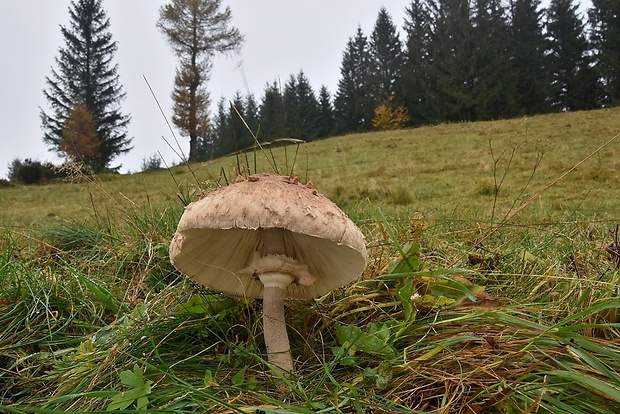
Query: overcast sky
{"points": [[281, 38]]}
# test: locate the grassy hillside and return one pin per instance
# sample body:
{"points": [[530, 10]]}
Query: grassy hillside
{"points": [[491, 287], [436, 169]]}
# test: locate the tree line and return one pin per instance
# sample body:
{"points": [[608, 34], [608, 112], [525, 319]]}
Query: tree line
{"points": [[456, 60], [459, 60]]}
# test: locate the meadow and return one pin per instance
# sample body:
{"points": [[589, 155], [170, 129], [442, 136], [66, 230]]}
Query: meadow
{"points": [[492, 285]]}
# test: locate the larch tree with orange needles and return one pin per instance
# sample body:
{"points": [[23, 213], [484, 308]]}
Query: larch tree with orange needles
{"points": [[80, 141]]}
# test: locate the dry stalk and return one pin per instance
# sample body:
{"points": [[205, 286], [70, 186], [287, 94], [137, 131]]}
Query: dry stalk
{"points": [[522, 207]]}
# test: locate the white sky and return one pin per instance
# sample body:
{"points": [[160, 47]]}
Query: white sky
{"points": [[281, 37]]}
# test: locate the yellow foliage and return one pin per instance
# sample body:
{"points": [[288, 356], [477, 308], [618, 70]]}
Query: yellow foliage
{"points": [[388, 117], [80, 140]]}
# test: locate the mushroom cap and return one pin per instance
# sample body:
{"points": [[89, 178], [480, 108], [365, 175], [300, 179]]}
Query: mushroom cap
{"points": [[219, 236]]}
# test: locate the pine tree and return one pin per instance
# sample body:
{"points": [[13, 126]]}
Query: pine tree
{"points": [[604, 18], [354, 104], [86, 75], [196, 31], [573, 80], [386, 58], [528, 56]]}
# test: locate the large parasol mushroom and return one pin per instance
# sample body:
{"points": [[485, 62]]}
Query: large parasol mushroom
{"points": [[271, 237]]}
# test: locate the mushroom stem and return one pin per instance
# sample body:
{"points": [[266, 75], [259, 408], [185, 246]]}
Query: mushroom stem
{"points": [[274, 325]]}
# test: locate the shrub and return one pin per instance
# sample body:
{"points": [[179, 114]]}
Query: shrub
{"points": [[151, 163], [388, 117], [32, 172]]}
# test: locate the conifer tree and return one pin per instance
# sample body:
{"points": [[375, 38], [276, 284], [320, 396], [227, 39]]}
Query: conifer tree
{"points": [[327, 121], [292, 117], [251, 117], [241, 137], [86, 75], [302, 108], [80, 142], [451, 97], [190, 112], [415, 79], [215, 144], [353, 104], [528, 56], [494, 82], [196, 31], [604, 19], [573, 80], [386, 58], [271, 113]]}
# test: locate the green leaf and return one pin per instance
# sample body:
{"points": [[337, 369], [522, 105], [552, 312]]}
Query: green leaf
{"points": [[409, 253], [431, 301], [376, 341], [136, 395], [103, 295], [405, 292], [239, 378], [208, 380], [409, 261], [597, 386], [206, 304]]}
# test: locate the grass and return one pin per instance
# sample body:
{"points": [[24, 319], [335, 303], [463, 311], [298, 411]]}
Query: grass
{"points": [[459, 310]]}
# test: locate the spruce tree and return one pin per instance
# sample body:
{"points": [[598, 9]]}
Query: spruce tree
{"points": [[271, 113], [573, 80], [241, 138], [308, 113], [529, 62], [415, 79], [301, 108], [386, 58], [251, 117], [219, 135], [604, 19], [354, 104], [292, 117], [494, 83], [86, 75], [327, 120], [451, 97]]}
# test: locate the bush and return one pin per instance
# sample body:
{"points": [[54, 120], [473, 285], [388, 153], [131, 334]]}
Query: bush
{"points": [[388, 117], [151, 163], [32, 172]]}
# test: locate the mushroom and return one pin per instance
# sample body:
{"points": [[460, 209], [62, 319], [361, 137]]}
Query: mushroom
{"points": [[269, 236]]}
